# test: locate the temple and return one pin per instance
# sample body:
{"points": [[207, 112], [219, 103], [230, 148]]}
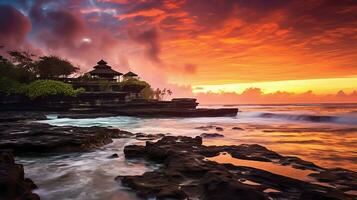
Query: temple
{"points": [[130, 75], [104, 71]]}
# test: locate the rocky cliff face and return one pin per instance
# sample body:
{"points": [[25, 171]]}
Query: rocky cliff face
{"points": [[13, 184]]}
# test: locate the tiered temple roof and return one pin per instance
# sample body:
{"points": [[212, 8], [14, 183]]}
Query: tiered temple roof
{"points": [[104, 70], [130, 74]]}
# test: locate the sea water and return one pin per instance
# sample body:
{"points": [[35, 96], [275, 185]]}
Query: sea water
{"points": [[325, 134]]}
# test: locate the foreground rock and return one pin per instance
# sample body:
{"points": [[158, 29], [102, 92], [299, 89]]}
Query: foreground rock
{"points": [[187, 174], [23, 137], [13, 184], [211, 135]]}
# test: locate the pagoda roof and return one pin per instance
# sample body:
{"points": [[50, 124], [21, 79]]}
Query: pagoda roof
{"points": [[130, 74], [101, 62], [103, 69]]}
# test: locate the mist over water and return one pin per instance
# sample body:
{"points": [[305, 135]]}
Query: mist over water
{"points": [[323, 134]]}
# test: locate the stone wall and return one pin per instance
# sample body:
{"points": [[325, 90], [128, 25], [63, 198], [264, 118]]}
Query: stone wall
{"points": [[61, 103]]}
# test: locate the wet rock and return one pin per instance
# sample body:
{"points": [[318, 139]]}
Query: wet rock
{"points": [[237, 128], [185, 173], [343, 177], [115, 155], [211, 135], [253, 152], [13, 184], [144, 136], [117, 134], [44, 138], [133, 151], [298, 163], [205, 128], [314, 195], [219, 128], [216, 188], [208, 127]]}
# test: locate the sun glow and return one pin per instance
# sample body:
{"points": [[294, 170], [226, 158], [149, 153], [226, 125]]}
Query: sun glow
{"points": [[320, 86]]}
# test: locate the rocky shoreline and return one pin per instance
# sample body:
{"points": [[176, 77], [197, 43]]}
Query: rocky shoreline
{"points": [[188, 169], [43, 138], [186, 173]]}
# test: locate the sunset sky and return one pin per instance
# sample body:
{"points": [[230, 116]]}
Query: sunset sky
{"points": [[220, 51]]}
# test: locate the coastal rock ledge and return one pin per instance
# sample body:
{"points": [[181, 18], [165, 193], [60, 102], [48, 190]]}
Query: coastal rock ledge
{"points": [[27, 137], [13, 184], [187, 173]]}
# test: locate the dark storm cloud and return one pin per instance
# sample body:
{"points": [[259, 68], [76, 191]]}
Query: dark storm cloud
{"points": [[149, 39], [62, 29], [36, 12], [55, 26], [14, 26]]}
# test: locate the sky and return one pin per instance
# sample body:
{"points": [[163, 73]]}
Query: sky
{"points": [[219, 51]]}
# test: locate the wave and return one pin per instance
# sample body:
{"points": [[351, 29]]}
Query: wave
{"points": [[345, 119]]}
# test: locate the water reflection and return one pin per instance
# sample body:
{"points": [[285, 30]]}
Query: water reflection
{"points": [[267, 166]]}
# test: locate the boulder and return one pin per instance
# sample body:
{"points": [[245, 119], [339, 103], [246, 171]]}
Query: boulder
{"points": [[13, 184], [211, 135]]}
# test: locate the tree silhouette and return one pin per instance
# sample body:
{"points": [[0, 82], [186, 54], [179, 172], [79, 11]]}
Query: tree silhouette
{"points": [[54, 67]]}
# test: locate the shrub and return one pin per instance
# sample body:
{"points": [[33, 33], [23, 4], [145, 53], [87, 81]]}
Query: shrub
{"points": [[133, 81], [11, 71], [135, 85], [45, 88], [10, 86]]}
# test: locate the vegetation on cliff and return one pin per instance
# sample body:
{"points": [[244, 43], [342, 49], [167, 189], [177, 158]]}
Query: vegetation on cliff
{"points": [[45, 88], [39, 88], [145, 89], [23, 66], [24, 73], [11, 86], [20, 74]]}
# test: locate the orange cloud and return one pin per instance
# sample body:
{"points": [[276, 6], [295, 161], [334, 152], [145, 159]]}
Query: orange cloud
{"points": [[143, 13], [228, 42]]}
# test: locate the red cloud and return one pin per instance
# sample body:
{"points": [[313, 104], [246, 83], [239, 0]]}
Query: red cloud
{"points": [[150, 39], [14, 26]]}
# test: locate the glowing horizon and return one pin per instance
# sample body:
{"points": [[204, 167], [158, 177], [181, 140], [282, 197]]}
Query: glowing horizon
{"points": [[321, 86]]}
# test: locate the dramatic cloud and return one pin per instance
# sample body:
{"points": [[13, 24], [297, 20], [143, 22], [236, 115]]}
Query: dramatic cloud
{"points": [[150, 39], [14, 26], [61, 29], [229, 41]]}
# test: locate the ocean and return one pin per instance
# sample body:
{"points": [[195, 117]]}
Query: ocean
{"points": [[325, 134]]}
